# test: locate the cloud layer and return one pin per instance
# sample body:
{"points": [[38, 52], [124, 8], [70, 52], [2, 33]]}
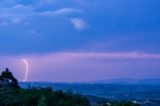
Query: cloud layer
{"points": [[70, 67]]}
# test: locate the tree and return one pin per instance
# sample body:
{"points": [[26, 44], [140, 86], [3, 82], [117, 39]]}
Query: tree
{"points": [[42, 101], [69, 91], [7, 79]]}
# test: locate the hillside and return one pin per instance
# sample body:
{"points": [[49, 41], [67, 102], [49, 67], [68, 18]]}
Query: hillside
{"points": [[11, 94]]}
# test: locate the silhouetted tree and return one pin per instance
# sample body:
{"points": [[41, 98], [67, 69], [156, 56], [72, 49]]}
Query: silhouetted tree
{"points": [[7, 79]]}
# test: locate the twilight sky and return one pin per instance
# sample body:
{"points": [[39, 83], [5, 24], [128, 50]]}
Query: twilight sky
{"points": [[80, 40]]}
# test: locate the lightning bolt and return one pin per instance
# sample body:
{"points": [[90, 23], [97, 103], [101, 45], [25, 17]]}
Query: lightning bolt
{"points": [[26, 70]]}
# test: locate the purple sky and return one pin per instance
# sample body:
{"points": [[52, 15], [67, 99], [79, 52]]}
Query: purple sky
{"points": [[65, 66], [80, 40]]}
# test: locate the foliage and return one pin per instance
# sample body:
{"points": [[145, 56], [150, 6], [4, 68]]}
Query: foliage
{"points": [[7, 79], [12, 95]]}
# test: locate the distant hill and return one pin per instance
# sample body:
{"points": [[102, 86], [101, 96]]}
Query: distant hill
{"points": [[126, 81], [150, 81], [114, 81], [108, 81]]}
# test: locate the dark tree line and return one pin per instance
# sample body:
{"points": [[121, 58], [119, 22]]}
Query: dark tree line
{"points": [[12, 95]]}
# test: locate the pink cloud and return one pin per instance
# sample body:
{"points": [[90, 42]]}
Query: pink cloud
{"points": [[74, 66], [131, 55]]}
